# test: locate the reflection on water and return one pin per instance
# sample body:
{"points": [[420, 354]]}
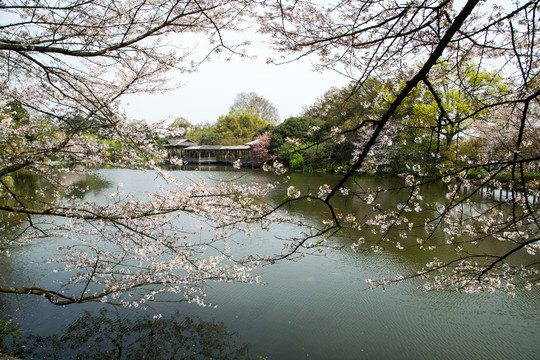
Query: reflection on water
{"points": [[117, 334], [35, 191], [316, 308]]}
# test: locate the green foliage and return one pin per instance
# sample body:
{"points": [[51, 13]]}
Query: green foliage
{"points": [[424, 129], [8, 181], [209, 138], [239, 126], [296, 161], [293, 128], [276, 141], [81, 123], [459, 102], [18, 112], [348, 106], [9, 332], [251, 102]]}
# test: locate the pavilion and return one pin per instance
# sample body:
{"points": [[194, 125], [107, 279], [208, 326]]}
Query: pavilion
{"points": [[193, 153]]}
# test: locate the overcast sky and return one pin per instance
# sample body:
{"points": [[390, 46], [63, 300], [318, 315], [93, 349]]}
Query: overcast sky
{"points": [[209, 93]]}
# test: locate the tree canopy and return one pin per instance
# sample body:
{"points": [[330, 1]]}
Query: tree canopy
{"points": [[250, 101], [239, 126]]}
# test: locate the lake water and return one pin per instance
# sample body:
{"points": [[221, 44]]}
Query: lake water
{"points": [[314, 308]]}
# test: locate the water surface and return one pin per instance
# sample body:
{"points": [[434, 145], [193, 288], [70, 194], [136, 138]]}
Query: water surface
{"points": [[314, 308]]}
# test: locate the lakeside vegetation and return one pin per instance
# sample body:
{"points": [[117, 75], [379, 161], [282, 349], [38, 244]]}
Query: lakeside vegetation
{"points": [[434, 140], [429, 138]]}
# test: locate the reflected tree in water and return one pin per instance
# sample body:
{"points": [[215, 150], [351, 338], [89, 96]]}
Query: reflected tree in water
{"points": [[112, 334]]}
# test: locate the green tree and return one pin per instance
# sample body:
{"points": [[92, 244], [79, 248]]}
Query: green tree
{"points": [[210, 137], [455, 97], [348, 106], [250, 101], [296, 161], [239, 126], [359, 106], [294, 128]]}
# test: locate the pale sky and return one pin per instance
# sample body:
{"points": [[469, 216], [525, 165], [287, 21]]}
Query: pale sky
{"points": [[209, 93]]}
